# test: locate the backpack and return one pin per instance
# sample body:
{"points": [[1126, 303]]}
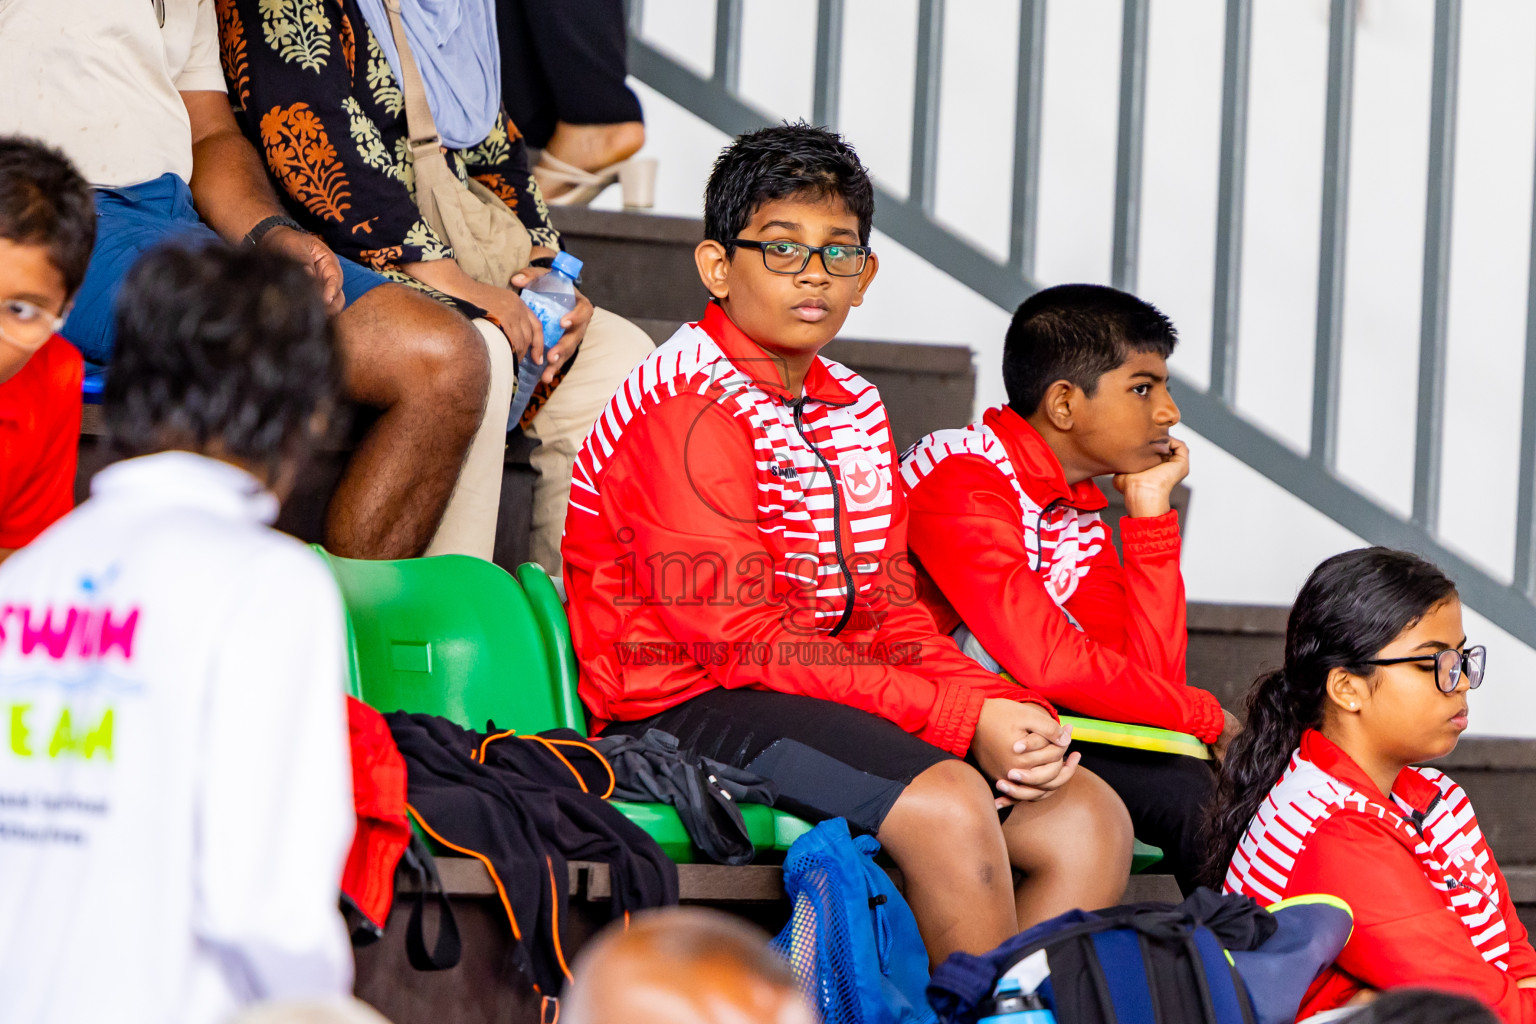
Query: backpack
{"points": [[851, 939], [1209, 960]]}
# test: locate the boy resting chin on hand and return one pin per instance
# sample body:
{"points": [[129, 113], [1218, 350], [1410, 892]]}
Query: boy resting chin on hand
{"points": [[1015, 561]]}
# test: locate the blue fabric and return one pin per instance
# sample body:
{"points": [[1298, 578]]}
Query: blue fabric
{"points": [[1275, 955], [129, 222], [1309, 938], [851, 939], [1128, 989], [1220, 982], [454, 43], [963, 981]]}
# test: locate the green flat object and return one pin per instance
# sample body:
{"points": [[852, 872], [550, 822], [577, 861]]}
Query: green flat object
{"points": [[1137, 737], [1143, 856]]}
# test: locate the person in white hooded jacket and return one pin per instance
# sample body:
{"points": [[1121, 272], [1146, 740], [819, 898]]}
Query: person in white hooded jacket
{"points": [[175, 791]]}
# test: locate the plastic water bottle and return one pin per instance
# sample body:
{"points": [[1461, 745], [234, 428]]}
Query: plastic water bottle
{"points": [[550, 297], [1011, 1005]]}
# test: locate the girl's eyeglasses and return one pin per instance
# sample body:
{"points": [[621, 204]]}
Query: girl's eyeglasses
{"points": [[1450, 664]]}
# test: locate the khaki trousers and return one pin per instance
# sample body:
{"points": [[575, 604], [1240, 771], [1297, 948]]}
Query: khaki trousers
{"points": [[612, 347], [469, 521]]}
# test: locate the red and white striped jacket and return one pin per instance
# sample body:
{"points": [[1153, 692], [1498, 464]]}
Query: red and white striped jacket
{"points": [[1003, 544], [723, 532], [1431, 906]]}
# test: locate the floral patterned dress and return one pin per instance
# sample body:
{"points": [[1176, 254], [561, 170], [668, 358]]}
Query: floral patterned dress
{"points": [[314, 93]]}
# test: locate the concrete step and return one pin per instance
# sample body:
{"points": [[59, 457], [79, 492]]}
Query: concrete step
{"points": [[1231, 645]]}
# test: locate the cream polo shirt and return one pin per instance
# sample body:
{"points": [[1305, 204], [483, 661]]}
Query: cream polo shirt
{"points": [[100, 79]]}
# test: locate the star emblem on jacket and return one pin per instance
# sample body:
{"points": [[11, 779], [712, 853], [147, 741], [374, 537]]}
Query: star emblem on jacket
{"points": [[863, 485]]}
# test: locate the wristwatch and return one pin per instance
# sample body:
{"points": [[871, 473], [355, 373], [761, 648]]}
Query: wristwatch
{"points": [[256, 234]]}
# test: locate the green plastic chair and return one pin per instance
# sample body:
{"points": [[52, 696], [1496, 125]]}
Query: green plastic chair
{"points": [[452, 635], [768, 828], [458, 637]]}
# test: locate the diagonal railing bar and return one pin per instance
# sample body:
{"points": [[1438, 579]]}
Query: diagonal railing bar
{"points": [[1525, 507], [728, 44], [1230, 195], [1128, 149], [1024, 203], [1335, 221], [829, 62], [1208, 413], [925, 103], [1430, 428], [900, 219], [1505, 606]]}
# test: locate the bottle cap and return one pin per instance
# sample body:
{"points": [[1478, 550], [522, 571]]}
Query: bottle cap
{"points": [[567, 264]]}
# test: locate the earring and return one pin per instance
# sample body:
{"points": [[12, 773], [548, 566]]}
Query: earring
{"points": [[1353, 706]]}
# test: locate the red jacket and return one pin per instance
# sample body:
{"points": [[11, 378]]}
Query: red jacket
{"points": [[715, 525], [39, 441], [1431, 906], [1005, 546]]}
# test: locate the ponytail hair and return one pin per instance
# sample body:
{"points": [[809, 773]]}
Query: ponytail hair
{"points": [[1353, 605]]}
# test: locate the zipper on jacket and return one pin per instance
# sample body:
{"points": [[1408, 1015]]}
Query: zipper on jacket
{"points": [[1040, 531], [798, 405]]}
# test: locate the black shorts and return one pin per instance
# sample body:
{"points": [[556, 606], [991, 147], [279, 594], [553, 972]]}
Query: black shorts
{"points": [[828, 760]]}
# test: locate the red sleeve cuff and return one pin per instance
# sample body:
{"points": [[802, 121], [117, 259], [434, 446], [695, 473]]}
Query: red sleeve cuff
{"points": [[1205, 715], [952, 724], [1153, 535]]}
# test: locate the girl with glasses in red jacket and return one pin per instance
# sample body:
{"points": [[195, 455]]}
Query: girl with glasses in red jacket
{"points": [[1319, 794]]}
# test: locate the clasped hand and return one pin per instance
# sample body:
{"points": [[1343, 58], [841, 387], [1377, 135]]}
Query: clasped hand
{"points": [[1024, 748]]}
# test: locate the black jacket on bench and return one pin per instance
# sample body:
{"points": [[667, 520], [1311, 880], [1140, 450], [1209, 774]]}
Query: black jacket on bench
{"points": [[524, 806]]}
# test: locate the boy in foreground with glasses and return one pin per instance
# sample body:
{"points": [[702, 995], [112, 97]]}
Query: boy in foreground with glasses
{"points": [[735, 560], [1015, 561], [47, 227]]}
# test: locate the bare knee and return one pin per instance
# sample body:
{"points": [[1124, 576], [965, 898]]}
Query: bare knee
{"points": [[401, 346], [1088, 830], [949, 803], [449, 359]]}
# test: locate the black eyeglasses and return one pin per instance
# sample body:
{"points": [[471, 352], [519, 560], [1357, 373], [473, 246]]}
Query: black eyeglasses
{"points": [[793, 257], [1449, 666]]}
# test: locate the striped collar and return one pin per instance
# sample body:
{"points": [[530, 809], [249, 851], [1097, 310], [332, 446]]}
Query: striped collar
{"points": [[1038, 469], [748, 357], [1410, 790]]}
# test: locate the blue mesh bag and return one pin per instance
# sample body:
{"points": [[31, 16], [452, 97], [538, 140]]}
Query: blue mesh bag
{"points": [[851, 939]]}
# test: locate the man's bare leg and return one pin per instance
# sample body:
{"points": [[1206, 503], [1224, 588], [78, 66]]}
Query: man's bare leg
{"points": [[426, 368]]}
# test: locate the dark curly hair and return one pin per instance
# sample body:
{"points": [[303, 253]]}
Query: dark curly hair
{"points": [[776, 163], [1077, 333], [219, 348], [45, 202], [1352, 606]]}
